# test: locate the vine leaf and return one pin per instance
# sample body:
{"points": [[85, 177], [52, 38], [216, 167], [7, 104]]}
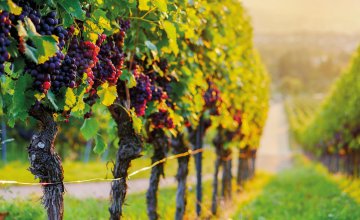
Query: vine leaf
{"points": [[21, 100], [11, 7], [137, 123], [70, 99], [144, 5], [161, 5], [107, 94], [102, 20], [100, 145], [128, 78], [151, 46], [71, 10], [80, 105], [90, 128], [50, 95], [44, 46], [170, 30]]}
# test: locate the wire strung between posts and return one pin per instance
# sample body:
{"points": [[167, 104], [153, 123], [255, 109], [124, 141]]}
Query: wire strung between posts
{"points": [[189, 152]]}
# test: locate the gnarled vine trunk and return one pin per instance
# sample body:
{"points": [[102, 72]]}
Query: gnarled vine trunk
{"points": [[179, 146], [45, 163], [243, 168], [160, 143], [130, 147], [227, 175]]}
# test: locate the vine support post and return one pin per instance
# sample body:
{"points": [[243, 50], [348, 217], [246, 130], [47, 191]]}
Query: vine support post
{"points": [[198, 165], [179, 146], [45, 163], [3, 140]]}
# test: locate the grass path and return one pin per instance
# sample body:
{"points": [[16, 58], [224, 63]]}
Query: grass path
{"points": [[302, 192], [97, 209]]}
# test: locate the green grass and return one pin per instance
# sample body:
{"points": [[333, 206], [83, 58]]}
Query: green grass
{"points": [[135, 208], [305, 191], [96, 169]]}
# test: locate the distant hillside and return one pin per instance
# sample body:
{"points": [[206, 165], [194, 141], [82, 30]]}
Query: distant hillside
{"points": [[287, 16]]}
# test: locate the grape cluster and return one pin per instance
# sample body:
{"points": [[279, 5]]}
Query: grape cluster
{"points": [[160, 85], [238, 117], [162, 120], [111, 56], [83, 57], [110, 60], [5, 26], [52, 74], [48, 25], [44, 73], [158, 93], [141, 94], [212, 98], [105, 69]]}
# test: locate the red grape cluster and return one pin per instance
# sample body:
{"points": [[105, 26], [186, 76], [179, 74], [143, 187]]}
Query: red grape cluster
{"points": [[212, 98], [160, 86], [141, 93], [161, 120], [238, 117], [5, 26], [83, 57], [109, 62], [111, 56]]}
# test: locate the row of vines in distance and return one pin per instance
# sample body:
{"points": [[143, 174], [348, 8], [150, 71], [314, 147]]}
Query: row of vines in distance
{"points": [[333, 134], [157, 72]]}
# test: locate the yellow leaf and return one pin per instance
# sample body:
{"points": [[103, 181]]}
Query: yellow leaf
{"points": [[170, 30], [80, 105], [107, 94], [93, 37], [14, 9], [137, 123], [39, 96], [70, 98], [144, 5], [161, 5], [104, 23]]}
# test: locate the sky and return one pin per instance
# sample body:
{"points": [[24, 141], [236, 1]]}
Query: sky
{"points": [[289, 16]]}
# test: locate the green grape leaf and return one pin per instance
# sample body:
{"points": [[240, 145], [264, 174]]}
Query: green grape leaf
{"points": [[73, 8], [129, 78], [100, 145], [13, 48], [44, 46], [50, 95], [22, 100], [90, 128], [151, 46]]}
